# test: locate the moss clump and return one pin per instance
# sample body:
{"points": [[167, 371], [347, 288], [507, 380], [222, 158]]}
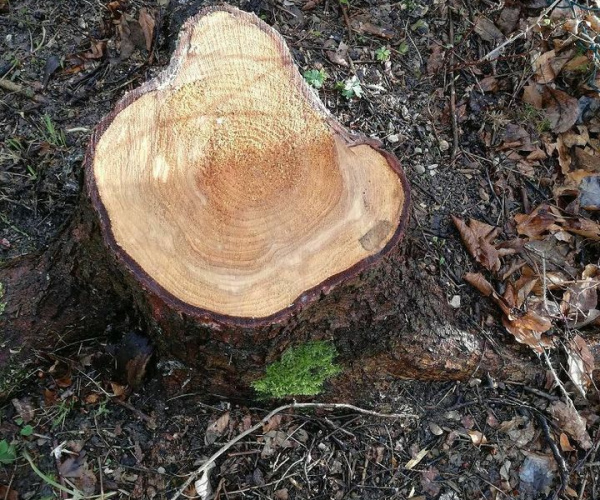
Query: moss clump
{"points": [[301, 371]]}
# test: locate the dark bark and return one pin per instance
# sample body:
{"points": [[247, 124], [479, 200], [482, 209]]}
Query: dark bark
{"points": [[391, 321]]}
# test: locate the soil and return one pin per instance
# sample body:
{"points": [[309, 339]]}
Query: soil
{"points": [[70, 63]]}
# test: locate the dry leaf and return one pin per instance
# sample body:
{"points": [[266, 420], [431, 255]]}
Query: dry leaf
{"points": [[477, 437], [532, 96], [537, 223], [362, 25], [571, 422], [413, 462], [519, 430], [24, 409], [339, 56], [216, 429], [118, 389], [548, 66], [202, 484], [478, 237], [281, 494], [480, 283], [579, 299], [528, 329], [430, 481], [273, 441], [487, 30], [488, 84], [565, 444], [272, 424], [562, 110], [78, 470], [581, 363], [508, 18], [435, 62], [544, 72], [147, 23]]}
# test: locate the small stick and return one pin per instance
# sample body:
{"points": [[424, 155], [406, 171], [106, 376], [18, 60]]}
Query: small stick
{"points": [[333, 406], [347, 21], [558, 458], [455, 144]]}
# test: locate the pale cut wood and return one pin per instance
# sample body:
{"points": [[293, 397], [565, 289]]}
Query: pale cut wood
{"points": [[227, 185]]}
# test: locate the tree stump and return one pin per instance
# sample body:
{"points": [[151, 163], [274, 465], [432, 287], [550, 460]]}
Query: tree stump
{"points": [[226, 187], [235, 217]]}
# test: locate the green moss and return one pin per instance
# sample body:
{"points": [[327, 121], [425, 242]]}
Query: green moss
{"points": [[301, 371]]}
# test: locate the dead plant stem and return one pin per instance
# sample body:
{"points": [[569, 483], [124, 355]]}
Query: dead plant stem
{"points": [[455, 144]]}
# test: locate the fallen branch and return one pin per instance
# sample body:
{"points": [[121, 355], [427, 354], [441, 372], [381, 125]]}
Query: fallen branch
{"points": [[209, 464]]}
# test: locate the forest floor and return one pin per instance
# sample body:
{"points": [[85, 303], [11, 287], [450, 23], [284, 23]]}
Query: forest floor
{"points": [[491, 107]]}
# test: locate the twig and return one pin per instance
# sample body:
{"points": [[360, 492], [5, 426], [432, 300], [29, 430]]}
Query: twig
{"points": [[347, 21], [494, 53], [332, 406], [558, 458], [137, 412], [557, 380], [455, 144]]}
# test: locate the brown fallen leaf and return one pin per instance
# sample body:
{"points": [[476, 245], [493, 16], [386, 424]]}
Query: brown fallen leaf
{"points": [[509, 18], [78, 471], [311, 4], [147, 23], [435, 62], [24, 409], [281, 494], [581, 363], [477, 238], [561, 109], [565, 444], [579, 299], [549, 65], [430, 481], [216, 428], [544, 72], [488, 84], [487, 30], [273, 441], [480, 283], [338, 56], [477, 437], [126, 46], [272, 424], [537, 223], [532, 95], [362, 25], [571, 422], [526, 327]]}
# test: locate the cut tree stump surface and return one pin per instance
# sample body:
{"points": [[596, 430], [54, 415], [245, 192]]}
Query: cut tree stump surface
{"points": [[227, 187]]}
